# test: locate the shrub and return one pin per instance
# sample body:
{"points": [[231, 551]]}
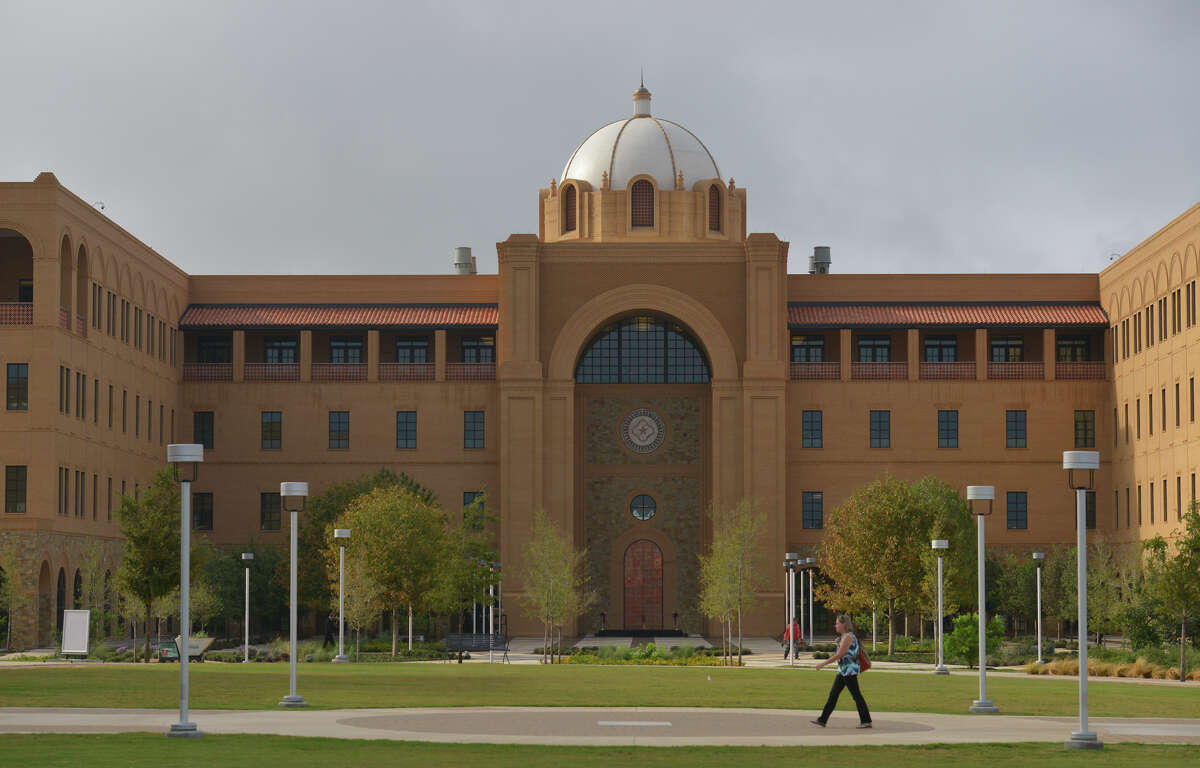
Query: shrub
{"points": [[962, 645]]}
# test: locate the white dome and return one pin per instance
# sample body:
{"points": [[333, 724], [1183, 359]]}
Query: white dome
{"points": [[641, 144]]}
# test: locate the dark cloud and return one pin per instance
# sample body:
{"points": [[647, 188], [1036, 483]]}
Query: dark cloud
{"points": [[375, 137]]}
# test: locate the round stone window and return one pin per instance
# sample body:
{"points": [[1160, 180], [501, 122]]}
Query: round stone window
{"points": [[642, 507]]}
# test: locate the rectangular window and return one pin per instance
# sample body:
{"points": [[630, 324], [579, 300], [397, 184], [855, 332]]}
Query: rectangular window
{"points": [[110, 406], [812, 429], [881, 429], [406, 430], [1150, 411], [1014, 429], [95, 495], [17, 391], [1089, 507], [947, 429], [412, 350], [1139, 492], [270, 516], [202, 511], [15, 489], [1151, 486], [808, 349], [1116, 509], [1137, 407], [272, 430], [1127, 507], [1007, 349], [161, 421], [60, 388], [202, 429], [1085, 429], [941, 349], [813, 505], [172, 436], [214, 349], [479, 349], [95, 401], [108, 502], [137, 416], [472, 429], [470, 497], [1018, 510], [874, 349], [1178, 497], [346, 349], [339, 429], [1164, 500], [279, 349], [1073, 349], [67, 400], [1163, 408], [149, 419], [1177, 405], [80, 389], [1127, 423], [1192, 399]]}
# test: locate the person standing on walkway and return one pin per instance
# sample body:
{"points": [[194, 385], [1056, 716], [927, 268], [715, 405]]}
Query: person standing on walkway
{"points": [[847, 676], [790, 633]]}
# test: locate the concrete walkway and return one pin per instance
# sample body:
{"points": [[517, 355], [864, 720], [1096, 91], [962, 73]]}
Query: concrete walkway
{"points": [[649, 726]]}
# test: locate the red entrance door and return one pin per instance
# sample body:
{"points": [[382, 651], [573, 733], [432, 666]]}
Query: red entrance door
{"points": [[643, 586]]}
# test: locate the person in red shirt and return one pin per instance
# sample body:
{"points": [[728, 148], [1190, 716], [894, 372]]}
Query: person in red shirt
{"points": [[789, 633]]}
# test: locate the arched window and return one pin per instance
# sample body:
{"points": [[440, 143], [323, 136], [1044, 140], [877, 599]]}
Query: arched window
{"points": [[642, 350], [77, 591], [641, 204], [714, 209], [569, 208]]}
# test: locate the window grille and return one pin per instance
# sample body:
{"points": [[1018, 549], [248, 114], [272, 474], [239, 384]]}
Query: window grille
{"points": [[569, 208], [714, 209], [641, 204]]}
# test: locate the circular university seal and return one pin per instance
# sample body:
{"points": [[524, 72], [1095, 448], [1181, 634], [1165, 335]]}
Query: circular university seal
{"points": [[643, 430]]}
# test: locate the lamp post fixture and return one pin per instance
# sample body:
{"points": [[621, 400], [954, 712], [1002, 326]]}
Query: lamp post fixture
{"points": [[789, 597], [291, 498], [184, 460], [247, 557], [1038, 557], [940, 546], [975, 495], [811, 563], [1081, 469], [343, 534]]}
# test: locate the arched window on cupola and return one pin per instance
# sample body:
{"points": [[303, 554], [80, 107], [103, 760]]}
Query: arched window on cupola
{"points": [[714, 209], [641, 204], [569, 208]]}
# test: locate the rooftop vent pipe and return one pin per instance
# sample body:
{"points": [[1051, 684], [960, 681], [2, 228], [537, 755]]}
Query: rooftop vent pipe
{"points": [[818, 263], [464, 262]]}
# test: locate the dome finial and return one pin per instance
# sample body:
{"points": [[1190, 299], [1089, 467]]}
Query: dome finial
{"points": [[641, 99]]}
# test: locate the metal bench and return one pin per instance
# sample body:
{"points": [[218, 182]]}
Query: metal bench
{"points": [[475, 643]]}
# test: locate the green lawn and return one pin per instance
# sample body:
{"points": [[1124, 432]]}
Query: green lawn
{"points": [[155, 751], [260, 686]]}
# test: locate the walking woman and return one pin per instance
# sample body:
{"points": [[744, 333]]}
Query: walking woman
{"points": [[847, 677]]}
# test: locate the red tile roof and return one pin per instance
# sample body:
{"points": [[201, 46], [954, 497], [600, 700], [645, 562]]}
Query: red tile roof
{"points": [[337, 316], [920, 315]]}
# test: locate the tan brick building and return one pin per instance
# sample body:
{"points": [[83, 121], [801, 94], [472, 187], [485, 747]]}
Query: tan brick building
{"points": [[638, 360]]}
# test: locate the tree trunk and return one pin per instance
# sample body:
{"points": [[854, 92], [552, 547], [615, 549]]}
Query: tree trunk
{"points": [[147, 634], [921, 624], [739, 635], [357, 643], [395, 633], [1183, 648], [891, 625], [410, 626]]}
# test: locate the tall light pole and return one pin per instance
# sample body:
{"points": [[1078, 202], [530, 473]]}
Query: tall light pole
{"points": [[343, 535], [500, 593], [811, 562], [246, 558], [491, 615], [1038, 557], [184, 459], [975, 495], [800, 588], [291, 498], [940, 546], [1081, 469]]}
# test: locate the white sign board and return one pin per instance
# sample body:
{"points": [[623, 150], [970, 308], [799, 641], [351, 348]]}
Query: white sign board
{"points": [[75, 632]]}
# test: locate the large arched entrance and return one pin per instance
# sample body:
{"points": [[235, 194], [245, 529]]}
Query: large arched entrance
{"points": [[61, 602], [643, 586], [642, 407]]}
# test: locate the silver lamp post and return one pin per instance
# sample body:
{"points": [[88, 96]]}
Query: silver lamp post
{"points": [[976, 494], [343, 534], [291, 498], [1081, 469], [184, 460], [811, 563], [1038, 557], [491, 614], [940, 546], [246, 558], [789, 597]]}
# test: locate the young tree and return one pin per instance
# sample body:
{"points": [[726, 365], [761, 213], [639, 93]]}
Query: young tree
{"points": [[317, 524], [149, 567], [464, 571], [717, 592], [10, 587], [731, 575], [555, 587], [364, 596], [403, 539], [1173, 576]]}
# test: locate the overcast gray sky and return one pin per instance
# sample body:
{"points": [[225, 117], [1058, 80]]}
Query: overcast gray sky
{"points": [[363, 137]]}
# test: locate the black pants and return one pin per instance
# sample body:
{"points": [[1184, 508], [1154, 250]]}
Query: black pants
{"points": [[851, 682]]}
